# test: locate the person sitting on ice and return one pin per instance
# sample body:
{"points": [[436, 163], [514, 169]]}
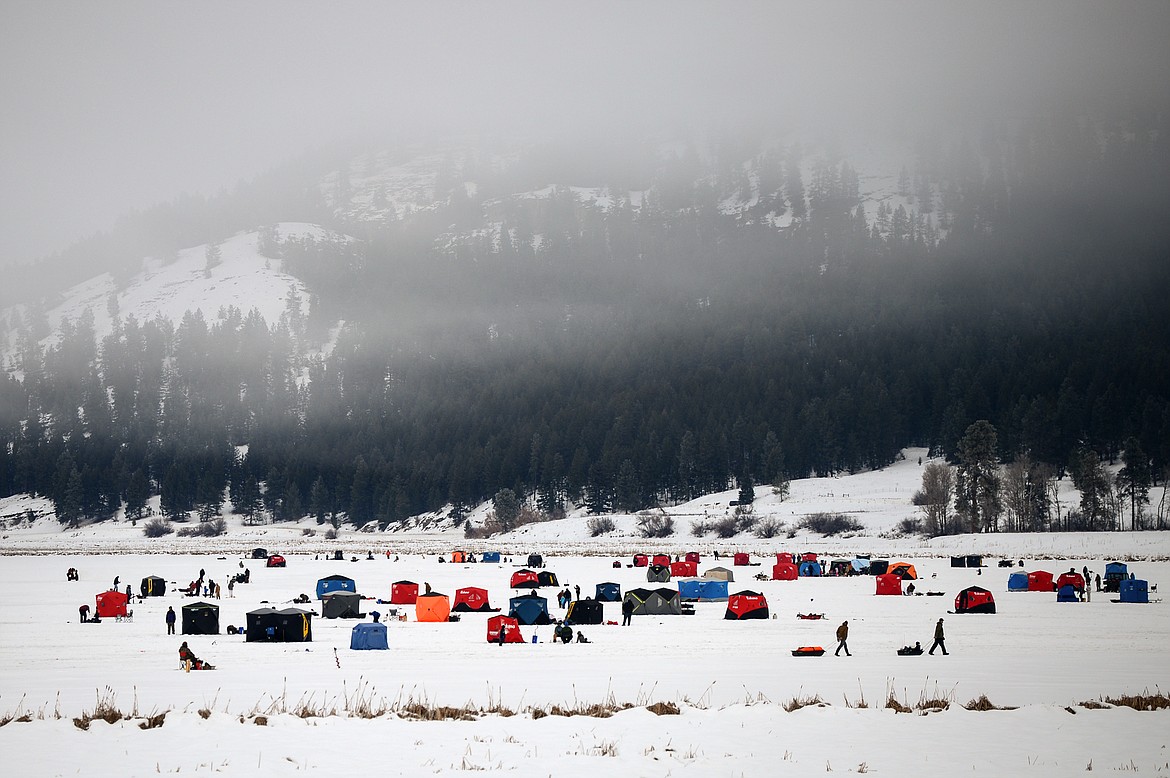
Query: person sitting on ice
{"points": [[910, 588], [581, 637], [564, 632]]}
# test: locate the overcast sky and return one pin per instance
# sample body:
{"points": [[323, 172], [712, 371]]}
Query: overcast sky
{"points": [[111, 106]]}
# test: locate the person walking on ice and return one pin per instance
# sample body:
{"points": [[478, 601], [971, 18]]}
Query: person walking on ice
{"points": [[939, 639], [842, 636]]}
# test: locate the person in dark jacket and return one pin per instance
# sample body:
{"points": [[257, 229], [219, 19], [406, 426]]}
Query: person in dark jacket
{"points": [[187, 655], [171, 621], [83, 611], [627, 611], [939, 639], [842, 636]]}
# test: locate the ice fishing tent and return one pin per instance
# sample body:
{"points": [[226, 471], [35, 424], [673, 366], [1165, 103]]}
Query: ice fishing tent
{"points": [[641, 560], [808, 556], [535, 560], [1133, 590], [368, 636], [784, 571], [276, 560], [888, 583], [1040, 581], [341, 605], [958, 561], [660, 559], [974, 599], [111, 604], [746, 605], [584, 612], [523, 578], [692, 556], [787, 558], [903, 570], [335, 583], [506, 624], [689, 589], [403, 593], [879, 566], [200, 618], [490, 556], [839, 567], [712, 591], [472, 599], [860, 566], [1066, 593], [809, 569], [974, 560], [1115, 573], [529, 609], [608, 592], [741, 559], [546, 578], [1071, 578], [1018, 582], [683, 569], [458, 556], [719, 574], [152, 586], [658, 574], [655, 602], [259, 553], [287, 625], [432, 607]]}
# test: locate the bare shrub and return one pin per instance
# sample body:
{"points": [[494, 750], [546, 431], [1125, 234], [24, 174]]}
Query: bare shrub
{"points": [[829, 524], [655, 526], [798, 702], [700, 528], [727, 528], [982, 703], [157, 528], [745, 521], [206, 529], [663, 709], [308, 532], [910, 526], [331, 533], [599, 525], [768, 528], [153, 722], [1145, 701]]}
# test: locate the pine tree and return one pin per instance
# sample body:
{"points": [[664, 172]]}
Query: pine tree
{"points": [[977, 479], [1133, 480]]}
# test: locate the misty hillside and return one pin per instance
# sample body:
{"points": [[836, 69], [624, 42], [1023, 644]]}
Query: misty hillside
{"points": [[387, 331]]}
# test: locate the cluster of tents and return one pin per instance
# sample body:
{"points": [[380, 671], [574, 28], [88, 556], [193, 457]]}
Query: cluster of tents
{"points": [[1068, 586]]}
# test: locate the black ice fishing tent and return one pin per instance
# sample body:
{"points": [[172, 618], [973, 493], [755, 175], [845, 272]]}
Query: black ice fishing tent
{"points": [[201, 618], [286, 625]]}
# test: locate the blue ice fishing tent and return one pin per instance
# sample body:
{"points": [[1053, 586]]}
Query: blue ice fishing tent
{"points": [[368, 636], [608, 592], [335, 583], [490, 556], [810, 569], [1018, 582], [689, 589], [1066, 593], [1134, 590], [529, 609], [860, 565], [713, 591]]}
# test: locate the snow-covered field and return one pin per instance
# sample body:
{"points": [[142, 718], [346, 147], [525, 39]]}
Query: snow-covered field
{"points": [[731, 681]]}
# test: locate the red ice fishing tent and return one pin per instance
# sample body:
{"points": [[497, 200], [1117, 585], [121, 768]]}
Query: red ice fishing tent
{"points": [[1071, 578], [683, 569], [522, 578], [746, 605], [641, 560], [111, 604], [472, 599], [974, 599], [692, 556], [741, 559], [888, 583], [1040, 581], [784, 571], [660, 559], [506, 624], [276, 560], [403, 593]]}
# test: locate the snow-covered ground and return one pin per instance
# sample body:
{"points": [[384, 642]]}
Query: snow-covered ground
{"points": [[731, 681]]}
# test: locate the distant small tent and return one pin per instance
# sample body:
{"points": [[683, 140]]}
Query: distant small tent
{"points": [[1067, 593], [111, 604], [535, 560], [506, 624], [958, 561], [879, 566], [1115, 573], [403, 593], [657, 574], [785, 571], [741, 559], [692, 557], [660, 559], [529, 609], [490, 556], [719, 574], [334, 583], [972, 560], [472, 599], [787, 558], [809, 569], [584, 612], [746, 605], [903, 570], [655, 602], [546, 578], [683, 569], [712, 591], [276, 560], [341, 605], [641, 560], [1133, 590], [524, 578], [608, 592], [1040, 581], [200, 618], [287, 625], [839, 567], [152, 586], [689, 589], [808, 556], [259, 553], [458, 556], [432, 607], [860, 566], [888, 584], [974, 599], [368, 636], [1018, 582], [1073, 579], [338, 555]]}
